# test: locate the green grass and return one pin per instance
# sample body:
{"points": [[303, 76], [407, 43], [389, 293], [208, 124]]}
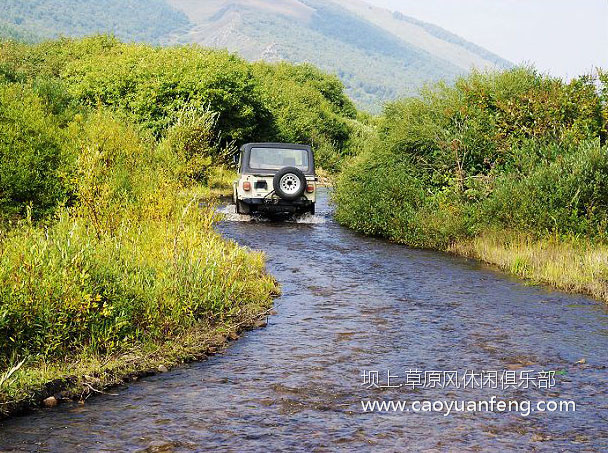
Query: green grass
{"points": [[569, 264], [81, 376]]}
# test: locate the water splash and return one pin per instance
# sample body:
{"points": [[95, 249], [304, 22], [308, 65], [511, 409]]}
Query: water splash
{"points": [[229, 214], [309, 219]]}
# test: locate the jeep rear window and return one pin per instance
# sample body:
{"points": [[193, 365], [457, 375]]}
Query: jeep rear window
{"points": [[277, 158]]}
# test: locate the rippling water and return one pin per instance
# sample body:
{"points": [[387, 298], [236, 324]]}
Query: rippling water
{"points": [[353, 304]]}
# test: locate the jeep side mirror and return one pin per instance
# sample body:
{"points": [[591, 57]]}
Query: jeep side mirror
{"points": [[235, 158]]}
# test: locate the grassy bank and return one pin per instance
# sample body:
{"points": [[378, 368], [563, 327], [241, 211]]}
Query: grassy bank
{"points": [[26, 385], [130, 275], [515, 152], [572, 265]]}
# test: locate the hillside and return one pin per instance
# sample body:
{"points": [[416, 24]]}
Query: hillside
{"points": [[378, 54], [132, 20]]}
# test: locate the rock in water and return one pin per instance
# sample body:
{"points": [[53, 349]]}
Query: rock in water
{"points": [[51, 401], [260, 323]]}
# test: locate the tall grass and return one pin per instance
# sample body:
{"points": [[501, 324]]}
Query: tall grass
{"points": [[570, 264], [133, 261], [63, 290]]}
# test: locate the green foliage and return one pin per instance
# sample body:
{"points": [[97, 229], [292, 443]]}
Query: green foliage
{"points": [[63, 291], [34, 154], [155, 85], [471, 129], [308, 107], [191, 139], [603, 80], [568, 195], [382, 194], [514, 149]]}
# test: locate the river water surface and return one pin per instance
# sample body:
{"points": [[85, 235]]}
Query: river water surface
{"points": [[353, 306]]}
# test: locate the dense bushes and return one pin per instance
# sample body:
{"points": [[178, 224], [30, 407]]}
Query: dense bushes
{"points": [[505, 150], [308, 107], [153, 86], [34, 155], [568, 195]]}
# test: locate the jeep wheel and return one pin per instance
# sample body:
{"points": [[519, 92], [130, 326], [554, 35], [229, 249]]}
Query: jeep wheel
{"points": [[289, 183]]}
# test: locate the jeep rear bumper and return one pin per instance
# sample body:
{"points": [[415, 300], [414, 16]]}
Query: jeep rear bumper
{"points": [[277, 205]]}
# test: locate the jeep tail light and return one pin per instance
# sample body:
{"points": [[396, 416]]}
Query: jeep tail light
{"points": [[310, 188], [246, 186]]}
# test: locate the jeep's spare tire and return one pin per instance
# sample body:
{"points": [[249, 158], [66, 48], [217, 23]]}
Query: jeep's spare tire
{"points": [[289, 183]]}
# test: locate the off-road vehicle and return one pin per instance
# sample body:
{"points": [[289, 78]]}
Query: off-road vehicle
{"points": [[275, 178]]}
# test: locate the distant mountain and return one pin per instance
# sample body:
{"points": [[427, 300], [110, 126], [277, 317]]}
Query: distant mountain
{"points": [[378, 54], [132, 20]]}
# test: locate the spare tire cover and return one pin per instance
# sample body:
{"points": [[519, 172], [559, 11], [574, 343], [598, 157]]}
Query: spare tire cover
{"points": [[289, 183]]}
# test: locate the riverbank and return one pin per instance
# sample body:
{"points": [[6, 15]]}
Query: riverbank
{"points": [[79, 378], [571, 265], [114, 288], [38, 382], [235, 294]]}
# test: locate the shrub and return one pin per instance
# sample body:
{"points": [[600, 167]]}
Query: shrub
{"points": [[568, 195], [131, 261], [155, 84], [472, 128], [399, 207], [513, 149], [308, 107], [192, 140], [603, 80], [34, 155], [119, 171]]}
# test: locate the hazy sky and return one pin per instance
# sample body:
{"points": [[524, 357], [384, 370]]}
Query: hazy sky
{"points": [[563, 37]]}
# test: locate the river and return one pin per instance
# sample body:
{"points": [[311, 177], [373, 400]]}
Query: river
{"points": [[354, 309]]}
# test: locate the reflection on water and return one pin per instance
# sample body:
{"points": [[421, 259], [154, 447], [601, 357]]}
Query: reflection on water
{"points": [[351, 304]]}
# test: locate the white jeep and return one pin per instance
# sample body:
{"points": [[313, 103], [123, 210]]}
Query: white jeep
{"points": [[275, 178]]}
